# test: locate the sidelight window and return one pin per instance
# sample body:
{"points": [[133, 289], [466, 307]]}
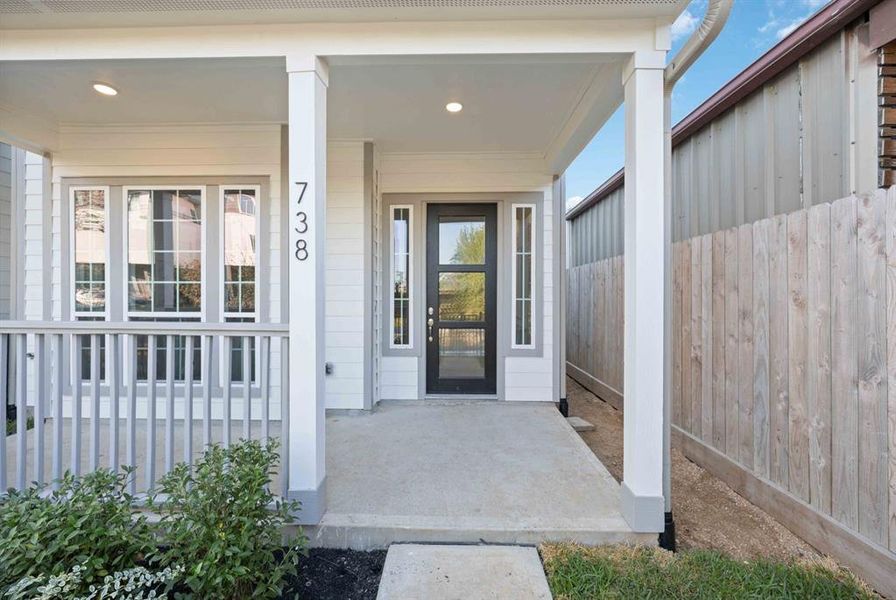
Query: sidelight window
{"points": [[523, 285], [401, 296]]}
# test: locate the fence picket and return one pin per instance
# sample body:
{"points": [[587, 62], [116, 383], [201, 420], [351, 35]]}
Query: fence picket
{"points": [[844, 357], [797, 341], [761, 367], [745, 345], [818, 384]]}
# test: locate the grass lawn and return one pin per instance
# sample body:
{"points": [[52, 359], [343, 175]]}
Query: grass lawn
{"points": [[578, 573]]}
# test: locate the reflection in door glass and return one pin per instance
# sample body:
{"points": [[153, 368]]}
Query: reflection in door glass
{"points": [[461, 353], [461, 296], [461, 240]]}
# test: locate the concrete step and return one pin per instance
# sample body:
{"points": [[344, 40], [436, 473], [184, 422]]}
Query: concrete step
{"points": [[470, 572], [368, 532]]}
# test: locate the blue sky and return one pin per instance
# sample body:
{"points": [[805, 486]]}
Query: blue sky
{"points": [[753, 27]]}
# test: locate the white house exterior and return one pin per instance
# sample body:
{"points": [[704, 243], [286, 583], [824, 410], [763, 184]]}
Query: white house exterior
{"points": [[293, 164]]}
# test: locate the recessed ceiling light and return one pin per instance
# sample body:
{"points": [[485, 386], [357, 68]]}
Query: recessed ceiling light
{"points": [[454, 107], [105, 89]]}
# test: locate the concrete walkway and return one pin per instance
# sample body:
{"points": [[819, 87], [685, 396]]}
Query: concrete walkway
{"points": [[420, 572], [465, 472]]}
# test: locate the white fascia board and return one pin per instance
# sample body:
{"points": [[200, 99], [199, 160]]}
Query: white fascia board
{"points": [[333, 39]]}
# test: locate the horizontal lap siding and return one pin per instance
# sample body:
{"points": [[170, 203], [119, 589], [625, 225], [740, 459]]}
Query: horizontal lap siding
{"points": [[345, 274], [6, 191]]}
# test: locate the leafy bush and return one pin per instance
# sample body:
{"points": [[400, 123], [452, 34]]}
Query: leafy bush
{"points": [[221, 523], [88, 522], [133, 584]]}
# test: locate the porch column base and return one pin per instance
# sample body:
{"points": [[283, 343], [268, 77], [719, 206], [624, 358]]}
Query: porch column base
{"points": [[644, 514], [314, 503]]}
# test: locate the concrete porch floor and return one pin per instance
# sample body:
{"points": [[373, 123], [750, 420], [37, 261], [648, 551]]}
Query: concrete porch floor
{"points": [[465, 472]]}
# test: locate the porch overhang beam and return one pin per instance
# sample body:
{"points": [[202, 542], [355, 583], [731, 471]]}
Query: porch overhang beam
{"points": [[580, 36]]}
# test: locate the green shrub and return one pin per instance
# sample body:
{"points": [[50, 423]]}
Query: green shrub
{"points": [[88, 522], [221, 523]]}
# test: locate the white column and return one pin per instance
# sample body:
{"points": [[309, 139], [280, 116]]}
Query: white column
{"points": [[306, 219], [642, 486]]}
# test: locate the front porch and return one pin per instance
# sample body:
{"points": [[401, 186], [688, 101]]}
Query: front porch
{"points": [[447, 471], [465, 472]]}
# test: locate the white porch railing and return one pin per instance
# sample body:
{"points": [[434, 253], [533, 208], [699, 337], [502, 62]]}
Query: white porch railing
{"points": [[153, 393]]}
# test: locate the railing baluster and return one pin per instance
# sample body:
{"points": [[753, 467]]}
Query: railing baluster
{"points": [[113, 375], [265, 388], [208, 343], [169, 403], [247, 389], [188, 402], [58, 390], [76, 404], [94, 402], [21, 409], [4, 390], [151, 412], [284, 416], [40, 365], [131, 452], [225, 385]]}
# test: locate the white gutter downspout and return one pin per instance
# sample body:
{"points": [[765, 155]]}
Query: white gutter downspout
{"points": [[713, 21]]}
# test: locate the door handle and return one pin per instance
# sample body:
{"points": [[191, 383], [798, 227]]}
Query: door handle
{"points": [[429, 324]]}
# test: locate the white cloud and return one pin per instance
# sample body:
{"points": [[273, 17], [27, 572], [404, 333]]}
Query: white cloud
{"points": [[684, 25], [572, 201], [783, 32], [814, 3]]}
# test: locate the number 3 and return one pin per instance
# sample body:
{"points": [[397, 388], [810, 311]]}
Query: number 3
{"points": [[303, 221]]}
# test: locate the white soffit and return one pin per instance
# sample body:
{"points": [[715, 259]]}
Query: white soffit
{"points": [[24, 14]]}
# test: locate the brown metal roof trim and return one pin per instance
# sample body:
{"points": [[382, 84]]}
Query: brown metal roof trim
{"points": [[808, 36]]}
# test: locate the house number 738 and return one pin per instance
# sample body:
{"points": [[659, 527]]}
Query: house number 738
{"points": [[301, 224]]}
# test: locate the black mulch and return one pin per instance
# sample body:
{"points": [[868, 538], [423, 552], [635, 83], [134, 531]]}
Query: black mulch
{"points": [[327, 574]]}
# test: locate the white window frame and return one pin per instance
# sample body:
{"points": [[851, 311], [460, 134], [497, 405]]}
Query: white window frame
{"points": [[203, 278], [411, 282], [73, 251], [221, 267], [513, 276]]}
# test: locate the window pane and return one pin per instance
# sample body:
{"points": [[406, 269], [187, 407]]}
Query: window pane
{"points": [[522, 267], [239, 250], [164, 251], [90, 250], [401, 283], [462, 240], [461, 296], [461, 353]]}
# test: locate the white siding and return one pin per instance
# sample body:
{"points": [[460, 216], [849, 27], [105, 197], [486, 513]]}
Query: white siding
{"points": [[345, 274], [36, 168], [5, 230]]}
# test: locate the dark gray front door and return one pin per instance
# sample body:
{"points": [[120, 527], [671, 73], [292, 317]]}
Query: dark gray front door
{"points": [[461, 287]]}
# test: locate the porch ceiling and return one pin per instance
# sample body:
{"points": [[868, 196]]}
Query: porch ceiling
{"points": [[511, 103]]}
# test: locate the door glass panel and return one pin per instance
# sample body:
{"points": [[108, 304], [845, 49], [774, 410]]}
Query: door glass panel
{"points": [[461, 240], [461, 353], [461, 296]]}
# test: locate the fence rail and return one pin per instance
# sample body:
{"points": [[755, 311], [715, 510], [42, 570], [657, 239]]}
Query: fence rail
{"points": [[783, 366], [91, 395]]}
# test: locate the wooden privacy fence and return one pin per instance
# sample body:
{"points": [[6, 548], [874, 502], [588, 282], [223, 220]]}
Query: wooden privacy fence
{"points": [[784, 367]]}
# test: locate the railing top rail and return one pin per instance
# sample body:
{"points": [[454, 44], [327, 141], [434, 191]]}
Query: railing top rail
{"points": [[146, 328]]}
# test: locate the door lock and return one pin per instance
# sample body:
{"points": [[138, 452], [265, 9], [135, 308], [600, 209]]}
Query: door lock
{"points": [[429, 324]]}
